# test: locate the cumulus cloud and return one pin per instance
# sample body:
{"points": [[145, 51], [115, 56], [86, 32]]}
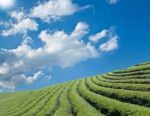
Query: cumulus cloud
{"points": [[21, 26], [22, 22], [31, 79], [19, 79], [25, 64], [112, 1], [60, 49], [18, 15], [80, 30], [109, 34], [99, 35], [110, 45], [54, 10]]}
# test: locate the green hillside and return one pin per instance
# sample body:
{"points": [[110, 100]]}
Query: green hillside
{"points": [[125, 92]]}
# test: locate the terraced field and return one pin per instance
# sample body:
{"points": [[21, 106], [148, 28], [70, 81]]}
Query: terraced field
{"points": [[119, 93]]}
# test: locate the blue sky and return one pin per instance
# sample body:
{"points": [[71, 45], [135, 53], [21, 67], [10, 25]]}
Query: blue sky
{"points": [[43, 44]]}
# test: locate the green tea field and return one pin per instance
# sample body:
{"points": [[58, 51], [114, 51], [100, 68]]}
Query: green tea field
{"points": [[119, 93]]}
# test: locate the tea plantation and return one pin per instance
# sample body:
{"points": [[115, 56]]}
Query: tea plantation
{"points": [[119, 93]]}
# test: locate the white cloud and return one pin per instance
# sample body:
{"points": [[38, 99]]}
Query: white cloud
{"points": [[31, 79], [110, 45], [18, 15], [6, 85], [112, 1], [19, 79], [59, 49], [4, 24], [26, 24], [53, 10], [21, 22], [24, 64], [99, 36], [109, 34], [21, 26], [4, 69], [80, 30]]}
